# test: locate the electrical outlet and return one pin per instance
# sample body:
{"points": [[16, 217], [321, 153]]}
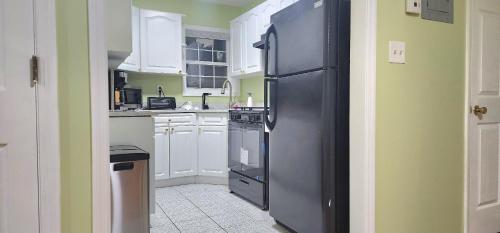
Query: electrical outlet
{"points": [[413, 6], [397, 52]]}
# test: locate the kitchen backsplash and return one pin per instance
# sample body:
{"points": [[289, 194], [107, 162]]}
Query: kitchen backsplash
{"points": [[172, 86]]}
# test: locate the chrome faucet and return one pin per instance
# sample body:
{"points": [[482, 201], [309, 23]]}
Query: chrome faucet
{"points": [[223, 91]]}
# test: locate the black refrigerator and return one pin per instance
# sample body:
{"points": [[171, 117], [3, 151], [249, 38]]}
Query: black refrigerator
{"points": [[306, 52]]}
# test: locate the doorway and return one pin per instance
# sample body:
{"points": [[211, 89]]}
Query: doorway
{"points": [[483, 117]]}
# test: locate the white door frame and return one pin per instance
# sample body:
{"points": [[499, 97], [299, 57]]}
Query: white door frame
{"points": [[48, 113], [363, 84], [362, 115], [466, 114], [101, 192]]}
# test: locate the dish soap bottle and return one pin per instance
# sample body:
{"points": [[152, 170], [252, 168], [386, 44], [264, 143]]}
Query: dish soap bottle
{"points": [[249, 100]]}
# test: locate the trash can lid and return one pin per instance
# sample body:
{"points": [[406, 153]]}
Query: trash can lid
{"points": [[124, 153]]}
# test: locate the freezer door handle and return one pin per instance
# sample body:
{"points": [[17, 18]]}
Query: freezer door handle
{"points": [[270, 106], [270, 30]]}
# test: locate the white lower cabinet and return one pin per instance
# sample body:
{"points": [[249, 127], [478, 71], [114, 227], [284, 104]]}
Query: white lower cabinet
{"points": [[162, 155], [183, 151], [212, 151], [188, 144]]}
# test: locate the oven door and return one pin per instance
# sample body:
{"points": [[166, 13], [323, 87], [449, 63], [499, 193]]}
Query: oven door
{"points": [[247, 150]]}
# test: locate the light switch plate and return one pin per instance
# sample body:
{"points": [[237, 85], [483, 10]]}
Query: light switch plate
{"points": [[397, 52], [413, 6]]}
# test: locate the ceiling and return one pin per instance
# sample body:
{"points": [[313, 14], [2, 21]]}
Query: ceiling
{"points": [[238, 3]]}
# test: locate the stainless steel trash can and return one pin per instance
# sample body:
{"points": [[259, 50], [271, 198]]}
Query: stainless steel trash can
{"points": [[129, 189]]}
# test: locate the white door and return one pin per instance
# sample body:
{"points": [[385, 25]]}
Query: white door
{"points": [[18, 144], [161, 42], [484, 132], [162, 155], [183, 151], [212, 151], [133, 62], [237, 46], [252, 35]]}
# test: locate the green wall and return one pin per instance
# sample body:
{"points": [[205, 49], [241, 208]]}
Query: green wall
{"points": [[419, 126], [255, 85], [74, 114], [196, 13]]}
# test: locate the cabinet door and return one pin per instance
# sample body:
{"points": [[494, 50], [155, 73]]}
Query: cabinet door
{"points": [[133, 62], [252, 35], [161, 42], [212, 147], [162, 158], [183, 151], [285, 3], [266, 9], [237, 46]]}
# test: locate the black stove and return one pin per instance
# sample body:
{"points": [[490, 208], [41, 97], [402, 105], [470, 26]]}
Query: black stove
{"points": [[247, 115], [248, 155]]}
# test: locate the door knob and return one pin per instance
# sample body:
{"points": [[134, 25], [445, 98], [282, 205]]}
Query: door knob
{"points": [[479, 111]]}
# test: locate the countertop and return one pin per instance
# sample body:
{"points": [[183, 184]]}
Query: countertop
{"points": [[145, 113]]}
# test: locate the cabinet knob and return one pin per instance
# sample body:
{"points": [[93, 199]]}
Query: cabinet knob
{"points": [[180, 71], [166, 130]]}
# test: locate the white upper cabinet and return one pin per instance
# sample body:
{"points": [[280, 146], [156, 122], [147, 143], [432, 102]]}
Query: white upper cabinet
{"points": [[266, 9], [118, 16], [285, 3], [252, 32], [212, 147], [133, 62], [183, 151], [237, 46], [161, 42], [245, 31]]}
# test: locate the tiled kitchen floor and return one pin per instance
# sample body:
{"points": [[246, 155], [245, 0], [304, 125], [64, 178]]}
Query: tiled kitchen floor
{"points": [[208, 209]]}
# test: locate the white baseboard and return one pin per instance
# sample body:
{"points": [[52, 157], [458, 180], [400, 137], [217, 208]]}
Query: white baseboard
{"points": [[191, 180]]}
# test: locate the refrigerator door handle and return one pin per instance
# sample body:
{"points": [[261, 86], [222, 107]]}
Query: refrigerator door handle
{"points": [[270, 30], [268, 107]]}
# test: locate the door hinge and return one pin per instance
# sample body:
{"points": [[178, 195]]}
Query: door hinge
{"points": [[34, 69]]}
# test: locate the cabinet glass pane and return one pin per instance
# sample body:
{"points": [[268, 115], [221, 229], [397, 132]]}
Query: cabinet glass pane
{"points": [[191, 43], [219, 57], [219, 82], [205, 55], [192, 55], [193, 69], [207, 44], [193, 81], [207, 82], [220, 70], [220, 45], [207, 70]]}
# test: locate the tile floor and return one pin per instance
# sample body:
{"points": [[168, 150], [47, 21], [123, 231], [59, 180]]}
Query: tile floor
{"points": [[208, 209]]}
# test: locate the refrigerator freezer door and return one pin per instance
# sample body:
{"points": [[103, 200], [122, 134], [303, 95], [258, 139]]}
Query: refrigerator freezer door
{"points": [[301, 38], [295, 154]]}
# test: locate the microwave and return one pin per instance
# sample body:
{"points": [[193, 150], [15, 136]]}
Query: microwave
{"points": [[129, 98]]}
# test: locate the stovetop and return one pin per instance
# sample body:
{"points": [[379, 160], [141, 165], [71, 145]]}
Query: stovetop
{"points": [[247, 115]]}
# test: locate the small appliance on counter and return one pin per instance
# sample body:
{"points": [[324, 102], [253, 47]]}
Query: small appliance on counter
{"points": [[248, 155], [122, 96], [161, 103]]}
